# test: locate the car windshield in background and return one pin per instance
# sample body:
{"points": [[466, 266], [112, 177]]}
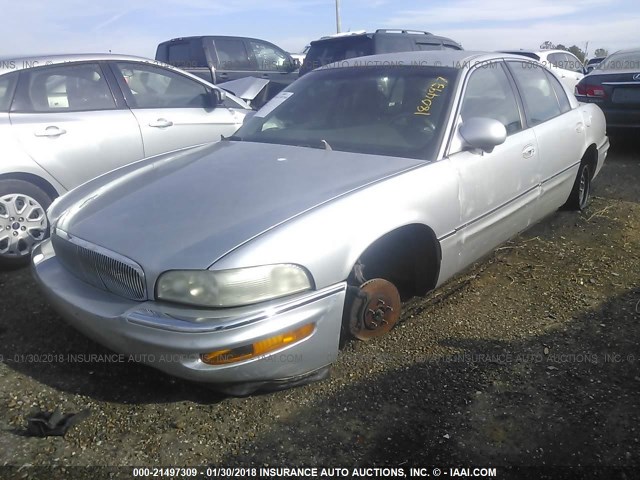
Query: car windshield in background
{"points": [[390, 110], [621, 61]]}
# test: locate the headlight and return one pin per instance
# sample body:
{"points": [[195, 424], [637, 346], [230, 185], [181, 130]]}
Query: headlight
{"points": [[232, 288]]}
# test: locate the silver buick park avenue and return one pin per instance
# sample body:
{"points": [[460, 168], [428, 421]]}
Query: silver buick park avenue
{"points": [[244, 264]]}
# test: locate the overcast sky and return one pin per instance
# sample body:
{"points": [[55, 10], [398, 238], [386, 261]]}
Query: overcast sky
{"points": [[137, 26]]}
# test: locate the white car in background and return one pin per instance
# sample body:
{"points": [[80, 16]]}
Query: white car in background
{"points": [[65, 119], [563, 63], [300, 56]]}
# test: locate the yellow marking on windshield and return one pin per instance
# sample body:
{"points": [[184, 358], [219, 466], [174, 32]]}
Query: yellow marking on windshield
{"points": [[435, 89]]}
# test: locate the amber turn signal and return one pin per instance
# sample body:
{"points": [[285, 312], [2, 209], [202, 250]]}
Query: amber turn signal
{"points": [[261, 347]]}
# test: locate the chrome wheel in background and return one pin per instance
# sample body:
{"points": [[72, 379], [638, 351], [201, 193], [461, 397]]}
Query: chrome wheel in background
{"points": [[23, 220]]}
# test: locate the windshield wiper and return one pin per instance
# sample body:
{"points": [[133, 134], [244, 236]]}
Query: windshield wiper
{"points": [[321, 144]]}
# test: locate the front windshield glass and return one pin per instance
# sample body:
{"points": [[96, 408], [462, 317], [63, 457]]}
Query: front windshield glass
{"points": [[384, 110], [621, 61]]}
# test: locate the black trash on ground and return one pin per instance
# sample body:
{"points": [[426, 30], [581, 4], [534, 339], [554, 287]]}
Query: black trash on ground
{"points": [[46, 424]]}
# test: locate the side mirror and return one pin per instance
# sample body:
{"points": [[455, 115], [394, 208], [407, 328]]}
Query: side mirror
{"points": [[217, 96], [483, 133]]}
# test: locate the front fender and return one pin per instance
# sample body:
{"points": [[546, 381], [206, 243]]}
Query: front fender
{"points": [[329, 239]]}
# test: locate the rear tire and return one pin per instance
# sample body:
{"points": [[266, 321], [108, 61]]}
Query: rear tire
{"points": [[581, 191], [23, 221]]}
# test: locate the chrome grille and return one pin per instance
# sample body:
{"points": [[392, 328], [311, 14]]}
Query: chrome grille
{"points": [[99, 267]]}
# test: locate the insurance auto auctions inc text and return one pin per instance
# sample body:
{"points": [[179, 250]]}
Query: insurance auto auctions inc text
{"points": [[373, 472]]}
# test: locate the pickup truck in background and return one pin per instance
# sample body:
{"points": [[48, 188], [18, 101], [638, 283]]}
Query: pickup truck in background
{"points": [[220, 59]]}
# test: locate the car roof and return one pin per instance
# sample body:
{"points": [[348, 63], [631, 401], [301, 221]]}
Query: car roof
{"points": [[198, 37], [552, 50], [627, 50], [525, 53], [545, 50], [11, 64], [363, 33], [458, 59]]}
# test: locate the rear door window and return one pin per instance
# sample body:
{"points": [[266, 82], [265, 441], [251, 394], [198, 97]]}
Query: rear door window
{"points": [[556, 59], [7, 86], [186, 54], [572, 63], [537, 92], [233, 55], [66, 88], [561, 95]]}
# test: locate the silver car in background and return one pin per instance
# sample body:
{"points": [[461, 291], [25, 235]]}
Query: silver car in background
{"points": [[66, 119], [244, 263]]}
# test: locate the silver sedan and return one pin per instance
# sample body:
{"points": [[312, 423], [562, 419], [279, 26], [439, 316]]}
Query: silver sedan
{"points": [[243, 264], [66, 119]]}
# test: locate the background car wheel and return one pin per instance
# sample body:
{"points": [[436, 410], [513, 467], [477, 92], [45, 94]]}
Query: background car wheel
{"points": [[23, 220], [581, 192]]}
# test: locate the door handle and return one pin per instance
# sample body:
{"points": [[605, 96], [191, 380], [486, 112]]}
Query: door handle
{"points": [[265, 75], [161, 123], [528, 151], [51, 131], [580, 127]]}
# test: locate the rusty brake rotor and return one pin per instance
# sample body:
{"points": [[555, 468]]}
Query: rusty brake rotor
{"points": [[376, 310]]}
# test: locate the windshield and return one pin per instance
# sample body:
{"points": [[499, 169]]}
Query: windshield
{"points": [[391, 110], [621, 61]]}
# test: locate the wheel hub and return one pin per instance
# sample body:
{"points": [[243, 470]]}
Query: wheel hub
{"points": [[376, 310], [23, 223]]}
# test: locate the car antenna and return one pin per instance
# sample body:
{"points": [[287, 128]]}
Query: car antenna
{"points": [[326, 145]]}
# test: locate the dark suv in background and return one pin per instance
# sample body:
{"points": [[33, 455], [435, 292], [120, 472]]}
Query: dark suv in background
{"points": [[220, 59], [358, 44]]}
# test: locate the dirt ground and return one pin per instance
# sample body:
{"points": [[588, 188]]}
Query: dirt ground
{"points": [[531, 358]]}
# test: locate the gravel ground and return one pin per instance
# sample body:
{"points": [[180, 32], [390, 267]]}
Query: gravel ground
{"points": [[530, 358]]}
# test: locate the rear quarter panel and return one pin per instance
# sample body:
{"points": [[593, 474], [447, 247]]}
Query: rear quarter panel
{"points": [[13, 158], [595, 131]]}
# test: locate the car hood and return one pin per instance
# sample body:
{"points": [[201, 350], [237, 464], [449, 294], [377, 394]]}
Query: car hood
{"points": [[246, 88], [190, 210]]}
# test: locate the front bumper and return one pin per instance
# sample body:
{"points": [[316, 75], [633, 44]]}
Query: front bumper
{"points": [[171, 338]]}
